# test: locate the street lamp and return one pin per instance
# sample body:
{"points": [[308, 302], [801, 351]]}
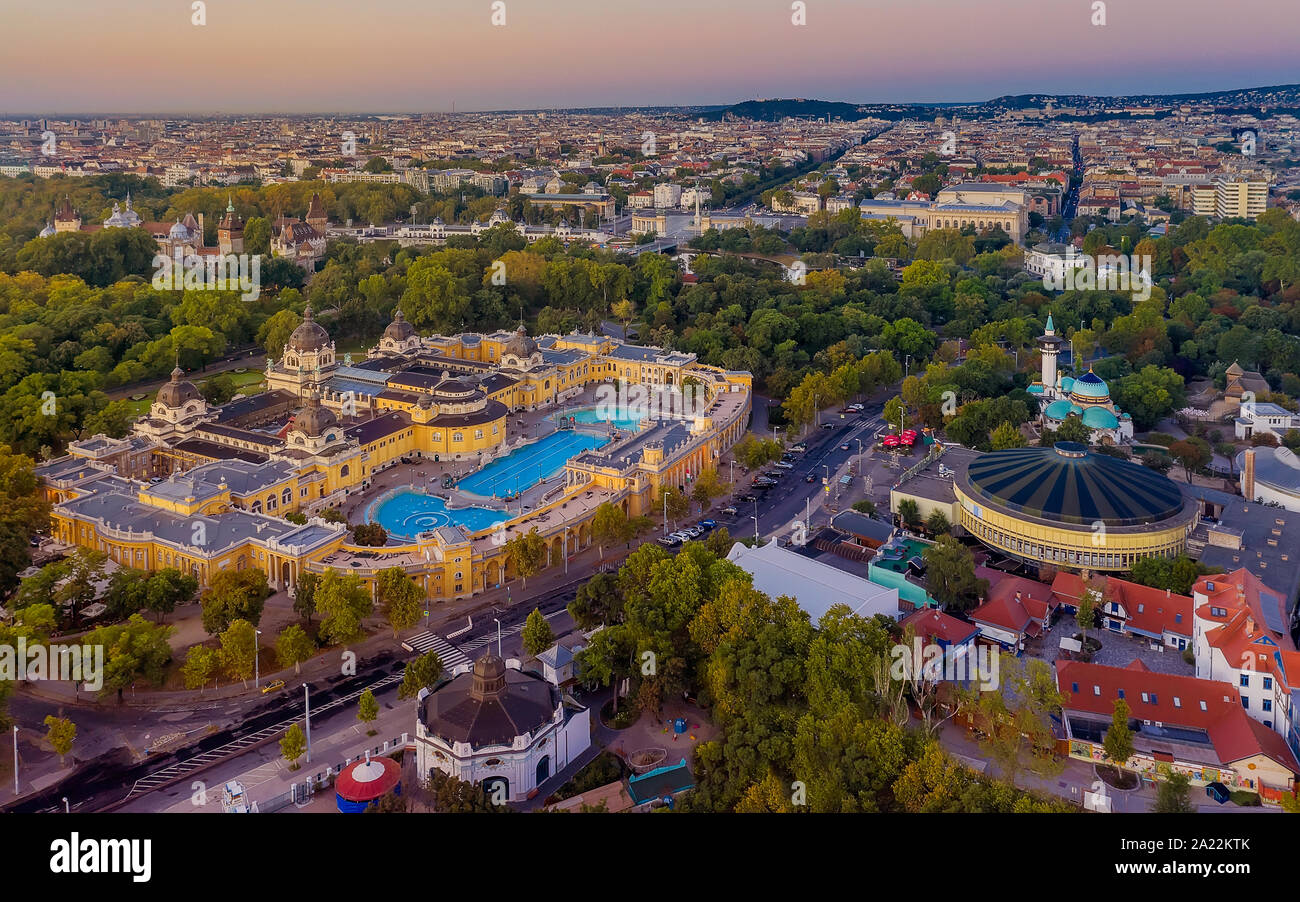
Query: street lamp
{"points": [[257, 653], [757, 538], [306, 706], [499, 654], [15, 760], [66, 808]]}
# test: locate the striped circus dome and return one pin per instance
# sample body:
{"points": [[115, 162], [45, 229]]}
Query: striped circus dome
{"points": [[1069, 484], [363, 783]]}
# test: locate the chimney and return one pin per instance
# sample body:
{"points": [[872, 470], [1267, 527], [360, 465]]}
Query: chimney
{"points": [[1248, 475]]}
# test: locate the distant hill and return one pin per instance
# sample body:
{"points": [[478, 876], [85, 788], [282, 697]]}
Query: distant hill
{"points": [[773, 110], [1090, 106]]}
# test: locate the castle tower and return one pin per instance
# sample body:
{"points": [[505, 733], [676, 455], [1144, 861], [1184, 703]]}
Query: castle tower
{"points": [[66, 219], [230, 231], [316, 216], [1049, 343]]}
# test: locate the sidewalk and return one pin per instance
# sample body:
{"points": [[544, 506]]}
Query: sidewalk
{"points": [[443, 617]]}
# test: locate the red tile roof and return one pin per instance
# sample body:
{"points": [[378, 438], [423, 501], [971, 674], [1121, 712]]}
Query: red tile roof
{"points": [[933, 625], [1148, 609], [1243, 631], [1174, 701], [1013, 603]]}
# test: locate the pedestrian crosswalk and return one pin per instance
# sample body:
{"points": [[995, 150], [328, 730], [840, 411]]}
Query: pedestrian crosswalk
{"points": [[476, 644], [450, 655]]}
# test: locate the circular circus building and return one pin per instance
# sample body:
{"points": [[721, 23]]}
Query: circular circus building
{"points": [[1068, 507], [362, 783]]}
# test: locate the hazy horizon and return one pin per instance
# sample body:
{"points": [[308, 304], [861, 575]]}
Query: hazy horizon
{"points": [[303, 58]]}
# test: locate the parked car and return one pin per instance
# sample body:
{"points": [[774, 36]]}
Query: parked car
{"points": [[800, 448], [748, 499], [708, 524], [729, 511], [669, 541], [828, 425], [784, 465]]}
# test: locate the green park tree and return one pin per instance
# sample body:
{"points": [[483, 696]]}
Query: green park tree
{"points": [[528, 552], [293, 646], [420, 673], [400, 598], [367, 710], [293, 745], [1118, 741], [537, 634], [60, 733]]}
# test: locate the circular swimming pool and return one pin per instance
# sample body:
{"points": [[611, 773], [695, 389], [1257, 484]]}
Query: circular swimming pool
{"points": [[407, 514]]}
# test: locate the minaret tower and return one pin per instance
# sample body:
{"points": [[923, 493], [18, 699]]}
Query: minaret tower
{"points": [[1049, 343]]}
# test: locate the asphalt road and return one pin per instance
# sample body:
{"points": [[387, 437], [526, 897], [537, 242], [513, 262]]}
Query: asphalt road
{"points": [[786, 502]]}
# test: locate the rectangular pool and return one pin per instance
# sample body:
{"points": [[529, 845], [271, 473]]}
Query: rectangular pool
{"points": [[529, 465]]}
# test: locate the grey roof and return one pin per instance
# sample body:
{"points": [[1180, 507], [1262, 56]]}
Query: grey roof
{"points": [[118, 509], [453, 712], [242, 408], [1278, 467], [567, 356], [859, 524], [356, 386], [243, 435], [1270, 539], [362, 374], [68, 468], [373, 430], [243, 477], [628, 453], [650, 355], [204, 448], [556, 657], [496, 382]]}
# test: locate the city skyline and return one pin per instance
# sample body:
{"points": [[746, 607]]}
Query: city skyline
{"points": [[152, 60]]}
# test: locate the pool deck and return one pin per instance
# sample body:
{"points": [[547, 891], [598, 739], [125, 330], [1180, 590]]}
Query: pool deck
{"points": [[428, 475]]}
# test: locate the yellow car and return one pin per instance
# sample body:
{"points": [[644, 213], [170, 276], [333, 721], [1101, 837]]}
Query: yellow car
{"points": [[273, 686]]}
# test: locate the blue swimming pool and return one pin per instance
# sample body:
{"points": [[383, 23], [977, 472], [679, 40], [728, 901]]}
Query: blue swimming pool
{"points": [[529, 465], [591, 416], [407, 514]]}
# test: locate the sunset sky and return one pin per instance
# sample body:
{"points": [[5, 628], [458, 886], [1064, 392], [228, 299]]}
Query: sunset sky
{"points": [[143, 56]]}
